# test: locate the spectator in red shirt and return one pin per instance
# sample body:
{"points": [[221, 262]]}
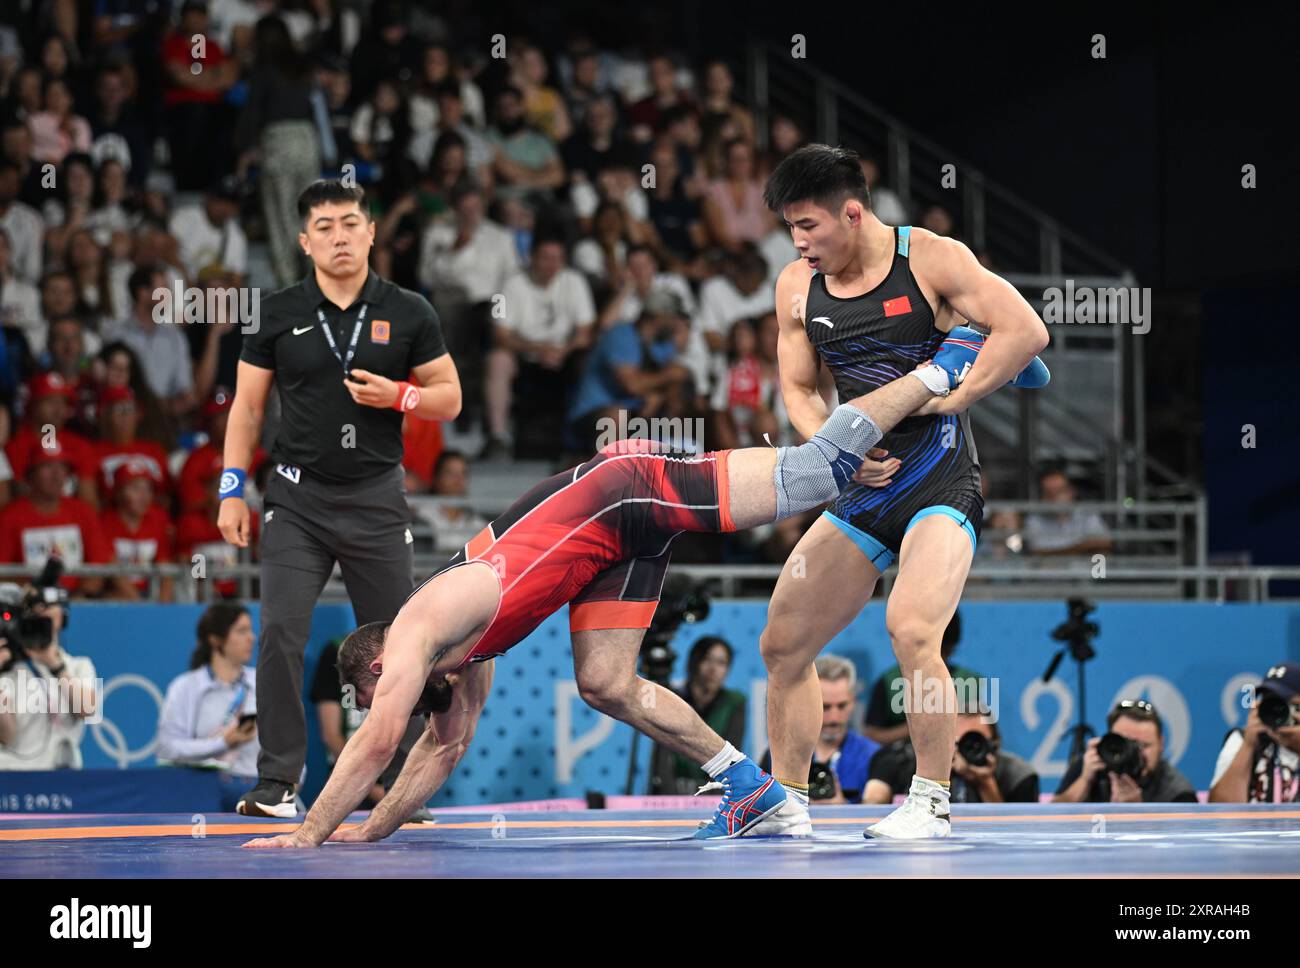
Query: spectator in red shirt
{"points": [[119, 444], [67, 357], [46, 522], [422, 443], [137, 530], [646, 116], [198, 123], [49, 406], [197, 534], [206, 460]]}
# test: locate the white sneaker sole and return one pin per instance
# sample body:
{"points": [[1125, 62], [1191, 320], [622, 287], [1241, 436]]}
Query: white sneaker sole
{"points": [[936, 832], [284, 810], [797, 824]]}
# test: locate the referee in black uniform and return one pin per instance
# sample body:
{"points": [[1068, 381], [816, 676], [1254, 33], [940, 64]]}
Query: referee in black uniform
{"points": [[342, 346]]}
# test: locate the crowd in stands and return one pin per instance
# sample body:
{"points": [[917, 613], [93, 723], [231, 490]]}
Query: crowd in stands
{"points": [[588, 222]]}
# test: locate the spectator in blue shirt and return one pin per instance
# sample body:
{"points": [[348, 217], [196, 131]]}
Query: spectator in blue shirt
{"points": [[635, 368]]}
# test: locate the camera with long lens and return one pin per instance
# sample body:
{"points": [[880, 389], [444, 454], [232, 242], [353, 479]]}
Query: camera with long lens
{"points": [[1274, 711], [974, 748], [1121, 755], [821, 782], [682, 601], [23, 627]]}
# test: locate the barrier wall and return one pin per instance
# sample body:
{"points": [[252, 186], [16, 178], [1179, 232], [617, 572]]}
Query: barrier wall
{"points": [[538, 740]]}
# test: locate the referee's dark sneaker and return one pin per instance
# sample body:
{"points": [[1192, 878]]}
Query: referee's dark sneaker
{"points": [[270, 798]]}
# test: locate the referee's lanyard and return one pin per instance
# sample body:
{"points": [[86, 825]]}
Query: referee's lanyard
{"points": [[352, 344]]}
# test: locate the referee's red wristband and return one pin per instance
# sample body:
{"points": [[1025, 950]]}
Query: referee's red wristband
{"points": [[408, 396]]}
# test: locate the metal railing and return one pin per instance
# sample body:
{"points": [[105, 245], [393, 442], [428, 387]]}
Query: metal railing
{"points": [[1159, 550]]}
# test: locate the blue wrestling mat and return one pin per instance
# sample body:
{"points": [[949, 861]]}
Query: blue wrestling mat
{"points": [[1052, 840]]}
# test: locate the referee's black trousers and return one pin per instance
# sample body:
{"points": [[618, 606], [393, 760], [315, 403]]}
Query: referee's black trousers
{"points": [[307, 526]]}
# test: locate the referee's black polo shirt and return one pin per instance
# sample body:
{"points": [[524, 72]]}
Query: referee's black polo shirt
{"points": [[400, 332]]}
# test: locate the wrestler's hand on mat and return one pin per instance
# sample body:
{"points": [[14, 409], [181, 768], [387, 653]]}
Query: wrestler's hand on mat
{"points": [[1124, 789], [876, 471], [283, 840], [353, 835]]}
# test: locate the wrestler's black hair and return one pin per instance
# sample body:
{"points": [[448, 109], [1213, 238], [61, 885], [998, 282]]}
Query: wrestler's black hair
{"points": [[819, 174]]}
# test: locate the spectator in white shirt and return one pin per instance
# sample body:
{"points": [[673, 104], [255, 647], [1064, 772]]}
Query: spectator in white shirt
{"points": [[20, 302], [209, 718], [209, 232], [547, 315], [25, 228], [453, 523], [1073, 532], [156, 338], [739, 293], [641, 278], [467, 258]]}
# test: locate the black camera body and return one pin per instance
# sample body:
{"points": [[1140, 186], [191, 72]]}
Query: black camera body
{"points": [[975, 748], [821, 782], [1121, 755], [681, 601], [21, 625], [1274, 711]]}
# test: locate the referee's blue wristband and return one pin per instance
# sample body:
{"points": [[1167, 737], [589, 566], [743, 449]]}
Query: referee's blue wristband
{"points": [[232, 482]]}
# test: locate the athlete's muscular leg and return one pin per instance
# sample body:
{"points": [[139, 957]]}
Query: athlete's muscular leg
{"points": [[824, 585], [932, 565], [604, 663]]}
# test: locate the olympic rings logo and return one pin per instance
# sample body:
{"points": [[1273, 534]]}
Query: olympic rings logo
{"points": [[111, 739]]}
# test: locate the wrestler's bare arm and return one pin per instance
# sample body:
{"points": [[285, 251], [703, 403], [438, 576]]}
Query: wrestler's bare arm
{"points": [[433, 758]]}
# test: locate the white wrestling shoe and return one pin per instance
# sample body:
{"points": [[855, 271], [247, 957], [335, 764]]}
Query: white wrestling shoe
{"points": [[791, 820], [922, 816]]}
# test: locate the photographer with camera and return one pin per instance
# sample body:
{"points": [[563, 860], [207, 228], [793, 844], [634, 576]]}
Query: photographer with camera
{"points": [[1127, 765], [1261, 764], [983, 772], [723, 709], [45, 694]]}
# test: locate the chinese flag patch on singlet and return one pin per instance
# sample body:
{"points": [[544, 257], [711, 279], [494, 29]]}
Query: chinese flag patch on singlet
{"points": [[896, 307]]}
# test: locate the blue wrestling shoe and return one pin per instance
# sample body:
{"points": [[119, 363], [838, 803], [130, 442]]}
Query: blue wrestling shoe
{"points": [[748, 796], [963, 344]]}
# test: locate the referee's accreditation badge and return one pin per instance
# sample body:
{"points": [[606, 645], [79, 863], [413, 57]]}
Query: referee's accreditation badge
{"points": [[380, 330]]}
